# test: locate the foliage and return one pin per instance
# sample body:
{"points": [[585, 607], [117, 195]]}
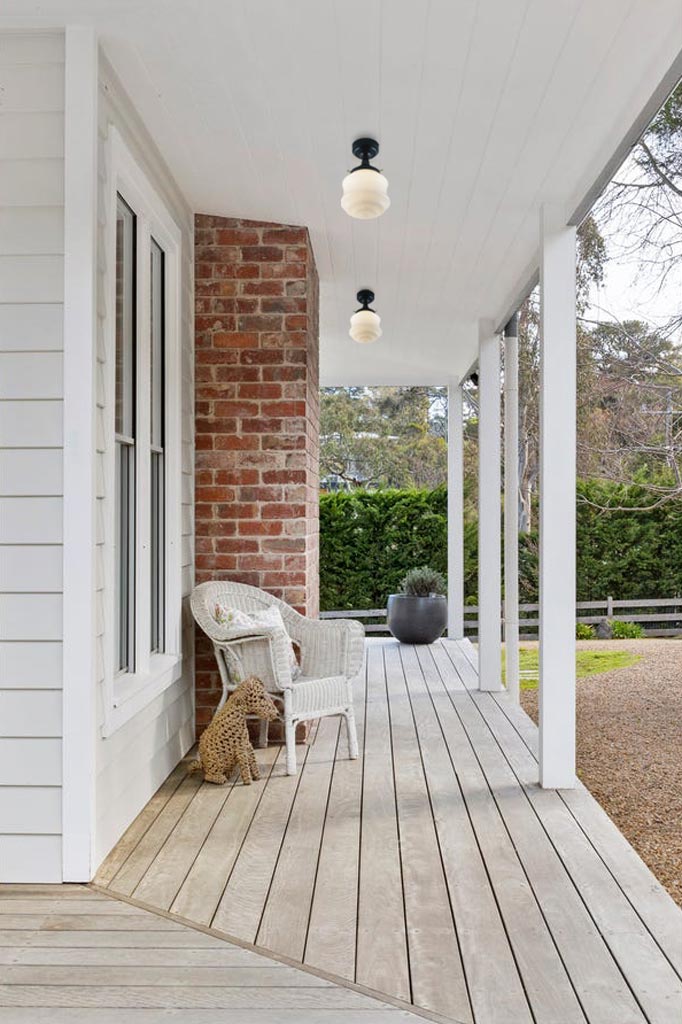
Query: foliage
{"points": [[423, 582], [583, 631], [369, 541], [630, 551], [383, 437], [587, 663], [629, 409], [628, 405], [626, 630], [529, 567]]}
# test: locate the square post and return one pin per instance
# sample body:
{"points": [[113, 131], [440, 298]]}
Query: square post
{"points": [[557, 499], [489, 510], [455, 512], [511, 505]]}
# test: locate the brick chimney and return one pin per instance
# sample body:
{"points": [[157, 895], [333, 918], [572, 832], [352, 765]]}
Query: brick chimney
{"points": [[257, 417]]}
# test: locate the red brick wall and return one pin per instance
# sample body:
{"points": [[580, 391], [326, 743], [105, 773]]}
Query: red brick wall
{"points": [[257, 416]]}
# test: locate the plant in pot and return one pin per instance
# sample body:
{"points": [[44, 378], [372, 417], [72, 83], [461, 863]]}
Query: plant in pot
{"points": [[419, 613]]}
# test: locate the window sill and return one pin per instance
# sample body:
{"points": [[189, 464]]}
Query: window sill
{"points": [[132, 691]]}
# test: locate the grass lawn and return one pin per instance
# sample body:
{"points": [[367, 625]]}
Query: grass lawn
{"points": [[588, 663]]}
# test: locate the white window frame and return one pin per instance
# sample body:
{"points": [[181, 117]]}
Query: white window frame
{"points": [[127, 693]]}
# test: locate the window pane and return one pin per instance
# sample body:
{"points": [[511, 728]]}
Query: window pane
{"points": [[125, 437], [125, 556], [158, 508], [158, 574], [157, 344], [125, 318]]}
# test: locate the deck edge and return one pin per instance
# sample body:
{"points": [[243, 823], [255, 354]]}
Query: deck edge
{"points": [[399, 1004]]}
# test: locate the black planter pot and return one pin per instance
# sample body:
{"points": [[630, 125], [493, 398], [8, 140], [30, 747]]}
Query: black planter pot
{"points": [[417, 620]]}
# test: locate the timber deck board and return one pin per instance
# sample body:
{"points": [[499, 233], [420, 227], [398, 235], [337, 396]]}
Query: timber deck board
{"points": [[433, 869], [91, 977]]}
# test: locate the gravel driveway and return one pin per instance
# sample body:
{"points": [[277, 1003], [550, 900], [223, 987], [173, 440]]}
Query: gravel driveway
{"points": [[629, 749]]}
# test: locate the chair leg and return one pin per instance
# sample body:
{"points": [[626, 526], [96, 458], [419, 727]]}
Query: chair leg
{"points": [[351, 733], [263, 733], [290, 739]]}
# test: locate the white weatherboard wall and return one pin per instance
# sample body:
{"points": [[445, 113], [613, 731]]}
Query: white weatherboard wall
{"points": [[31, 312], [133, 761]]}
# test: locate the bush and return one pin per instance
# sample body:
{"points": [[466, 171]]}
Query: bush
{"points": [[370, 539], [623, 552], [583, 631], [423, 582], [626, 630]]}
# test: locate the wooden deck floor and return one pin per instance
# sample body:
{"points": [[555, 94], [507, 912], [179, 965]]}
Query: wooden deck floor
{"points": [[433, 869], [70, 955]]}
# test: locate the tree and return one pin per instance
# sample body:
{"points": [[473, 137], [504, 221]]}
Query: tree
{"points": [[634, 397], [383, 437], [640, 212], [637, 369]]}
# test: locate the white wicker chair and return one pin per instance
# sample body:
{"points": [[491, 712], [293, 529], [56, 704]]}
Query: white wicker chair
{"points": [[332, 654]]}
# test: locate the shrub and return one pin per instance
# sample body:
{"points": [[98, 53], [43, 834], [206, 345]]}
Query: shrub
{"points": [[583, 631], [370, 539], [626, 630], [630, 554], [423, 582]]}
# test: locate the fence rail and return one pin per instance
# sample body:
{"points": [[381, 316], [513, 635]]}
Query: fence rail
{"points": [[667, 622]]}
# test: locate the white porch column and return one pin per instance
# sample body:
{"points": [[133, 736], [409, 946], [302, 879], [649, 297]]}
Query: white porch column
{"points": [[511, 504], [557, 499], [489, 509], [455, 512]]}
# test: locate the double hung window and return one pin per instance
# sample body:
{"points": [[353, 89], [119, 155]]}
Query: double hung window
{"points": [[143, 629]]}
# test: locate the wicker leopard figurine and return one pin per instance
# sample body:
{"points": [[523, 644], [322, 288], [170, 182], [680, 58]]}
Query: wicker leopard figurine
{"points": [[225, 743]]}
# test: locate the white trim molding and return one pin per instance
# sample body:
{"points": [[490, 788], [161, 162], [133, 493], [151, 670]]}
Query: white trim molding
{"points": [[80, 268], [125, 694]]}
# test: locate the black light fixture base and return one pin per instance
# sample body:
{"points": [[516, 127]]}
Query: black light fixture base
{"points": [[365, 296], [365, 149]]}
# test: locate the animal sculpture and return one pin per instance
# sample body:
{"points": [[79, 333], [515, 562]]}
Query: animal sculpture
{"points": [[225, 744]]}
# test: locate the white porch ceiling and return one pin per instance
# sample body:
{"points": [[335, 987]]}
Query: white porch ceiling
{"points": [[484, 109]]}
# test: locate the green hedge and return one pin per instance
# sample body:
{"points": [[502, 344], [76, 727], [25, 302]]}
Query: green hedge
{"points": [[369, 540], [627, 554]]}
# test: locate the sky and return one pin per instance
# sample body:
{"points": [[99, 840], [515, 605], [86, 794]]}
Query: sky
{"points": [[627, 294]]}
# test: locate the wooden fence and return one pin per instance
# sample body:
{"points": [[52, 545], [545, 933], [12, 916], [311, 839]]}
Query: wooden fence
{"points": [[645, 612]]}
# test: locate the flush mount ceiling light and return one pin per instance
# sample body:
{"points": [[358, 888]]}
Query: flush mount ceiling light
{"points": [[365, 187], [365, 324]]}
